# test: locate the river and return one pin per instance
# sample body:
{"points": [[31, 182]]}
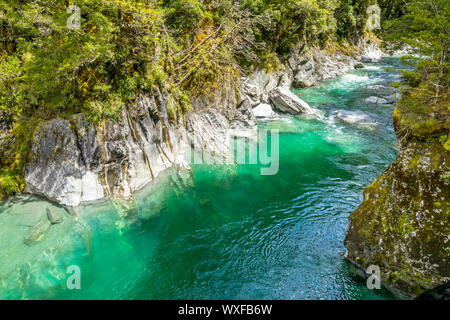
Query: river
{"points": [[231, 233]]}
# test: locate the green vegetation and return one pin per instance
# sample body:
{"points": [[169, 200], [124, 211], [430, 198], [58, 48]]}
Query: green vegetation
{"points": [[124, 47], [179, 48], [183, 48], [402, 219], [424, 26]]}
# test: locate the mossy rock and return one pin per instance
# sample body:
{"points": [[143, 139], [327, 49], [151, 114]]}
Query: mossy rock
{"points": [[403, 223]]}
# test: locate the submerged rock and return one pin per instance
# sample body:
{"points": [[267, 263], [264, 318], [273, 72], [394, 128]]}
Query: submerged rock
{"points": [[37, 232], [378, 100], [54, 217], [357, 116]]}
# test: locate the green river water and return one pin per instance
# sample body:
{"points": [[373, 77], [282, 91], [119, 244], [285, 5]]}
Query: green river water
{"points": [[229, 232]]}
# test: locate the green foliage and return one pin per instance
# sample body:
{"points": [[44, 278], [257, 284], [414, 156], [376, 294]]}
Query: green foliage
{"points": [[66, 70], [425, 27], [182, 48], [13, 155], [11, 100], [177, 102], [124, 46], [184, 15]]}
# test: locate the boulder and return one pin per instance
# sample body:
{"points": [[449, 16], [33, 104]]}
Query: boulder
{"points": [[352, 117], [304, 77], [54, 169], [402, 224], [54, 217], [264, 110], [286, 101], [378, 100], [37, 232], [302, 81]]}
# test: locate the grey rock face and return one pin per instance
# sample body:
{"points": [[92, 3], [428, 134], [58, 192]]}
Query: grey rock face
{"points": [[258, 85], [73, 162], [54, 170], [286, 101], [331, 66]]}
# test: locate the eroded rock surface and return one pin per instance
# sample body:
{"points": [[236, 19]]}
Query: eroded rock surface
{"points": [[73, 161], [403, 224], [284, 100]]}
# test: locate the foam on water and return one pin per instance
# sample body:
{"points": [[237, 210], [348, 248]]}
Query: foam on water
{"points": [[373, 68]]}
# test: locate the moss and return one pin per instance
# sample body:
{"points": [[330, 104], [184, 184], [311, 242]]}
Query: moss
{"points": [[445, 176], [400, 226], [447, 144], [397, 114], [58, 151], [13, 155], [414, 161]]}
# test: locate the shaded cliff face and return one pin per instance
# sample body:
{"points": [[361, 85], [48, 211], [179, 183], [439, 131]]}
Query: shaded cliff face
{"points": [[403, 224], [72, 161]]}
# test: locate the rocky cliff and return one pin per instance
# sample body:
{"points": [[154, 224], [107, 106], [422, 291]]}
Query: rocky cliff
{"points": [[403, 224], [72, 161]]}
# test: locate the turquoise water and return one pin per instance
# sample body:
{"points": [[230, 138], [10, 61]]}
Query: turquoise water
{"points": [[221, 232]]}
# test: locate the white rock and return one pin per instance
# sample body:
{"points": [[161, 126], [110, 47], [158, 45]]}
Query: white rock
{"points": [[286, 101], [377, 100], [372, 53], [353, 117], [263, 110]]}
